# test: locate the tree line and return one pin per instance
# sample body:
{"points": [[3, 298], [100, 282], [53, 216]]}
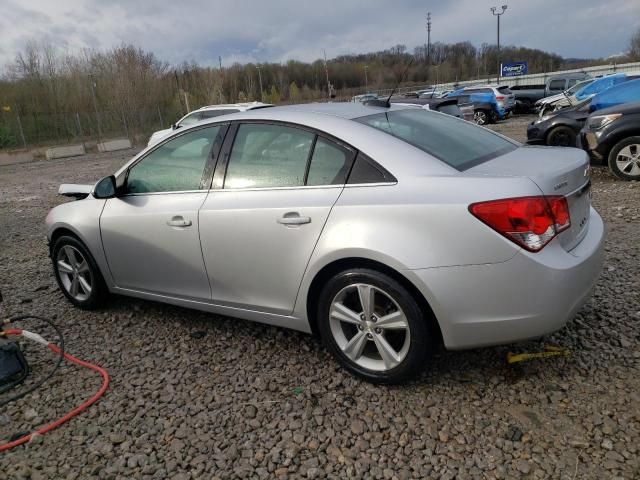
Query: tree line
{"points": [[134, 88]]}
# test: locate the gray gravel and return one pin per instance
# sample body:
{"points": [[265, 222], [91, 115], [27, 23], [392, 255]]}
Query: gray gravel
{"points": [[199, 396]]}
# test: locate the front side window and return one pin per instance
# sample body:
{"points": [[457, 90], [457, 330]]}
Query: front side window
{"points": [[177, 165], [266, 156], [455, 142]]}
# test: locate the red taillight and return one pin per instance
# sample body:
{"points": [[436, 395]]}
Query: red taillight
{"points": [[499, 97], [531, 222]]}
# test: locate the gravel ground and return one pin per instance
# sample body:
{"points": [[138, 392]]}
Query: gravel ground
{"points": [[193, 395]]}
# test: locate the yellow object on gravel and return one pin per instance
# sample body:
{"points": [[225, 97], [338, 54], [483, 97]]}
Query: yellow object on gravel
{"points": [[549, 351]]}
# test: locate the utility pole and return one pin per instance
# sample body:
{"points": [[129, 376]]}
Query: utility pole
{"points": [[366, 79], [428, 38], [95, 104], [220, 62], [498, 14], [260, 80], [326, 71]]}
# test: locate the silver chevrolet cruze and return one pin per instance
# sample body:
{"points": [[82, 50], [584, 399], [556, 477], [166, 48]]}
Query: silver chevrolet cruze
{"points": [[384, 229]]}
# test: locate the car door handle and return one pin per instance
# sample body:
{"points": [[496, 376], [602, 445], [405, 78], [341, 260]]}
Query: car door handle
{"points": [[293, 218], [178, 221]]}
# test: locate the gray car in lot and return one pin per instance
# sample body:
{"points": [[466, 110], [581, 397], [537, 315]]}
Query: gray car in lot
{"points": [[384, 230]]}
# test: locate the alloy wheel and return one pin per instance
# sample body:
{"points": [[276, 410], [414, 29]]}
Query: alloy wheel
{"points": [[75, 273], [369, 327], [480, 118], [628, 160]]}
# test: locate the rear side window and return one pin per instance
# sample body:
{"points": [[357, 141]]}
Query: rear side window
{"points": [[455, 142], [366, 170], [330, 163], [556, 85], [505, 90], [266, 156]]}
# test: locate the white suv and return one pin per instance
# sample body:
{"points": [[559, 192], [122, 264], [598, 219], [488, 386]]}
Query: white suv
{"points": [[209, 111]]}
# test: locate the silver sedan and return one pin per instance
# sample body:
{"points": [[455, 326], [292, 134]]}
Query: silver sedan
{"points": [[384, 229]]}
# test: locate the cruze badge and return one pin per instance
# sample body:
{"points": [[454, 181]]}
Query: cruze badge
{"points": [[558, 186]]}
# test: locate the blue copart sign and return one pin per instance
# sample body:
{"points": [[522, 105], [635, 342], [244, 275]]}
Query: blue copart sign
{"points": [[514, 69]]}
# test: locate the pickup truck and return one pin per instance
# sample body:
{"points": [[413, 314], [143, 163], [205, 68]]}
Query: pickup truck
{"points": [[528, 95]]}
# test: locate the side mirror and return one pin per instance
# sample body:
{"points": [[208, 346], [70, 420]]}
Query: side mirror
{"points": [[105, 188]]}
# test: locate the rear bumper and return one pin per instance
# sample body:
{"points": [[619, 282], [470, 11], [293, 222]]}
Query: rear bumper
{"points": [[525, 297]]}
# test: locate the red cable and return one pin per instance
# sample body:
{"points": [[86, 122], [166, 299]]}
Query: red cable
{"points": [[69, 415]]}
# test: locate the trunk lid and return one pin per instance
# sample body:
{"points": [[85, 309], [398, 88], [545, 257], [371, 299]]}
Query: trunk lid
{"points": [[556, 171]]}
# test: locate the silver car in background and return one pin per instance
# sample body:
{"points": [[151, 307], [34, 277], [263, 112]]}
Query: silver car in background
{"points": [[385, 230]]}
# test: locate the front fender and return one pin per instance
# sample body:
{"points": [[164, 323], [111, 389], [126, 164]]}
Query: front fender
{"points": [[82, 218]]}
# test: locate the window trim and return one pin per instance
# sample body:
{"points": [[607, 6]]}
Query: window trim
{"points": [[209, 166], [220, 173]]}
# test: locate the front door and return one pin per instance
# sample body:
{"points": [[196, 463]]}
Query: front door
{"points": [[259, 230], [150, 232]]}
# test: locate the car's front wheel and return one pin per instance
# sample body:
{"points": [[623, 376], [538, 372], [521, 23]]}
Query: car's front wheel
{"points": [[624, 159], [373, 326], [561, 136], [77, 274]]}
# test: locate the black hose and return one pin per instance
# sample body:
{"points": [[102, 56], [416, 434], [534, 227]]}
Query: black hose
{"points": [[51, 372]]}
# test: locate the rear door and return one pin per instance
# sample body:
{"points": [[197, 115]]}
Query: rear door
{"points": [[271, 197]]}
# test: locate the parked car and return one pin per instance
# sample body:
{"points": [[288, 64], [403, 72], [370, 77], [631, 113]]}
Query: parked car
{"points": [[384, 229], [365, 97], [561, 128], [485, 106], [563, 99], [504, 97], [527, 95], [203, 113], [612, 135], [450, 106]]}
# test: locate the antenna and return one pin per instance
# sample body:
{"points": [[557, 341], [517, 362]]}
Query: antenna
{"points": [[400, 81]]}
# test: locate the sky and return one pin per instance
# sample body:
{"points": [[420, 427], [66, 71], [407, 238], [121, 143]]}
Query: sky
{"points": [[280, 30]]}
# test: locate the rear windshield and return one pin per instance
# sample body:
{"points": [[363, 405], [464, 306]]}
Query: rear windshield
{"points": [[504, 90], [457, 143]]}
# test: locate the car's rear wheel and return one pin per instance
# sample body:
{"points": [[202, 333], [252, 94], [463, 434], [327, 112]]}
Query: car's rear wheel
{"points": [[77, 274], [373, 326], [480, 117], [561, 136], [624, 159]]}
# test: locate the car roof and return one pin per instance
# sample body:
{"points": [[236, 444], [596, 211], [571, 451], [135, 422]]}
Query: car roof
{"points": [[242, 106], [346, 110]]}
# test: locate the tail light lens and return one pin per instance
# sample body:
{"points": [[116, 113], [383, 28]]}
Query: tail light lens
{"points": [[530, 222], [499, 97]]}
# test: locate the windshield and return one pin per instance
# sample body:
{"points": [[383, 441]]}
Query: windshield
{"points": [[190, 119], [578, 86], [457, 143]]}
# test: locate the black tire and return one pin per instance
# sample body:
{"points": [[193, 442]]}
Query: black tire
{"points": [[634, 147], [480, 117], [420, 341], [98, 291], [561, 136]]}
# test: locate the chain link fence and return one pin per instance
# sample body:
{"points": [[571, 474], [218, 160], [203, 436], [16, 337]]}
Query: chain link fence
{"points": [[39, 129]]}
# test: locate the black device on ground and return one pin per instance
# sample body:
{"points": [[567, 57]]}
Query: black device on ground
{"points": [[13, 366]]}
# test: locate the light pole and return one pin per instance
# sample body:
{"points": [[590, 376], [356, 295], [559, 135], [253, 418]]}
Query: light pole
{"points": [[498, 14], [92, 82], [260, 81], [366, 79]]}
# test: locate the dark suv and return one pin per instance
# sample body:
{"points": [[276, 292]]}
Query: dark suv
{"points": [[612, 135]]}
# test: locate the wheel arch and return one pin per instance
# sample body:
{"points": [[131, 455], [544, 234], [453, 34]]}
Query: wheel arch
{"points": [[342, 264], [619, 135]]}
